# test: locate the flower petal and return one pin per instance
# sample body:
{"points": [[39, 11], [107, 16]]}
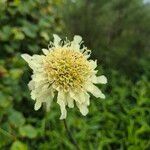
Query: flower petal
{"points": [[78, 97], [45, 51], [70, 101], [39, 77], [37, 105], [93, 64], [33, 94], [62, 103], [57, 40], [27, 57], [34, 61], [41, 95], [75, 44], [49, 102], [31, 85], [77, 39], [95, 90], [87, 99], [100, 79], [83, 109]]}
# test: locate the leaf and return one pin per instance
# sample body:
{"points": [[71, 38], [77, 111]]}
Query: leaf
{"points": [[28, 131], [5, 100], [16, 118], [15, 73], [5, 33], [4, 139], [17, 145]]}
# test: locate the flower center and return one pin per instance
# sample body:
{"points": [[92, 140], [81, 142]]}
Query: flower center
{"points": [[67, 69]]}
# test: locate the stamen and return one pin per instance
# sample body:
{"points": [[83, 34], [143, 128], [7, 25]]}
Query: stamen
{"points": [[68, 68]]}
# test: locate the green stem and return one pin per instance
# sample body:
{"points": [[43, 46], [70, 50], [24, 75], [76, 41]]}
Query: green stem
{"points": [[71, 138]]}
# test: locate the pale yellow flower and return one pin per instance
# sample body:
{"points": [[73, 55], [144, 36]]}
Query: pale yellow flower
{"points": [[66, 70]]}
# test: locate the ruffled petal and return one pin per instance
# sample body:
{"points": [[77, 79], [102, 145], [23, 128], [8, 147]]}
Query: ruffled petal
{"points": [[35, 61], [83, 109], [37, 105], [27, 58], [70, 101], [45, 51], [87, 99], [62, 103], [77, 39], [31, 85], [42, 94], [48, 104], [33, 94], [100, 79], [49, 101], [57, 40], [78, 97], [39, 77], [93, 64], [75, 44], [94, 90], [37, 58]]}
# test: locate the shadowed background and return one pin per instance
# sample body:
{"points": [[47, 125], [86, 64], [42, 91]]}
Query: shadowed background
{"points": [[118, 33]]}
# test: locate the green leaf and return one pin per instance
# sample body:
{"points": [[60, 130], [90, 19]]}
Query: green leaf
{"points": [[17, 145], [5, 33], [15, 73], [16, 118], [5, 100], [28, 131]]}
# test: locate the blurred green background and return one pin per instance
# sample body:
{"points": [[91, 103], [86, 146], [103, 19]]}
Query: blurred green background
{"points": [[118, 32]]}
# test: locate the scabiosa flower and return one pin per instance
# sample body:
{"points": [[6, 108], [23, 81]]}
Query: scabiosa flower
{"points": [[66, 70]]}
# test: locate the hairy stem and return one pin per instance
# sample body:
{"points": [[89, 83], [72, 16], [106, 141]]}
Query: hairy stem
{"points": [[71, 138]]}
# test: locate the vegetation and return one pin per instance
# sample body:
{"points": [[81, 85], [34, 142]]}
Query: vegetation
{"points": [[117, 32]]}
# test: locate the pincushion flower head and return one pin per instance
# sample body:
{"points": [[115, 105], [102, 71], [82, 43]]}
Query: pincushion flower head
{"points": [[64, 69]]}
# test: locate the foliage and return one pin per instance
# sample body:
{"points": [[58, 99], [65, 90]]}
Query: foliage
{"points": [[122, 121], [117, 31]]}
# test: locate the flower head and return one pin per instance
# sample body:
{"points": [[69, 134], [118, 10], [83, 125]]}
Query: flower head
{"points": [[66, 70]]}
